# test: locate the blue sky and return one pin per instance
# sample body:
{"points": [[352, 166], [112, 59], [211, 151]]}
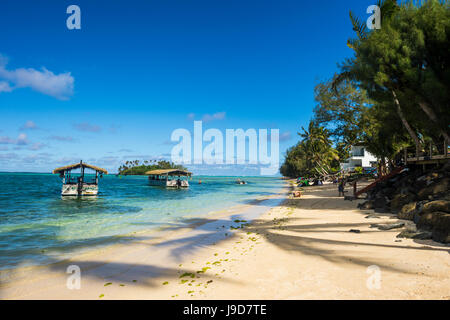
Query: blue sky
{"points": [[137, 70]]}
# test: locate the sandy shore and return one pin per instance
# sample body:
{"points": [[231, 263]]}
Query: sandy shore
{"points": [[293, 249]]}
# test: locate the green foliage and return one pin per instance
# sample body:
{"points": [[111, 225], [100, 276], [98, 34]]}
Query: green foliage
{"points": [[393, 93], [136, 168], [408, 56], [343, 110], [312, 156]]}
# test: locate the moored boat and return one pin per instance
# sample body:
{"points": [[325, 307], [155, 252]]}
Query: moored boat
{"points": [[169, 178], [79, 184]]}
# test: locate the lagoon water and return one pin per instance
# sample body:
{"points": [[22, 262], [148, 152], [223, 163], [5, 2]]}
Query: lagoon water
{"points": [[38, 226]]}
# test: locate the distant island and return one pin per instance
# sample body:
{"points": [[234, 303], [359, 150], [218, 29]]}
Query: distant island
{"points": [[136, 167]]}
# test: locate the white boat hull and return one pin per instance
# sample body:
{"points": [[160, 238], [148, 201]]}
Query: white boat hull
{"points": [[86, 190], [169, 183]]}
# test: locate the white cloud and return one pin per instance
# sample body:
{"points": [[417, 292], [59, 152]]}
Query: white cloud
{"points": [[29, 125], [8, 156], [215, 116], [5, 87], [62, 138], [20, 141], [37, 146], [87, 127], [59, 86], [6, 140], [208, 117]]}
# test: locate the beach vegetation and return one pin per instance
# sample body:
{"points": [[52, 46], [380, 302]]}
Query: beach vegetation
{"points": [[137, 167], [393, 93], [187, 274]]}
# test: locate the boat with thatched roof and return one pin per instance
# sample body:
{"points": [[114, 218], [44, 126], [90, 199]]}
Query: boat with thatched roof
{"points": [[169, 178], [79, 184]]}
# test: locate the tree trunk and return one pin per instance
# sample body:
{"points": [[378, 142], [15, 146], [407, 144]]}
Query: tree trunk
{"points": [[381, 167], [430, 113], [406, 124]]}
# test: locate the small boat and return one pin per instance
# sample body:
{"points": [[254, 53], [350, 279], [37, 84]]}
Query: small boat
{"points": [[79, 184], [239, 181], [169, 178]]}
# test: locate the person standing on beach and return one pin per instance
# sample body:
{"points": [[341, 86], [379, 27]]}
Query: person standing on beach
{"points": [[341, 187]]}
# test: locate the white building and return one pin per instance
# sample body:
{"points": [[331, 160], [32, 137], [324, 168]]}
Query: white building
{"points": [[359, 157]]}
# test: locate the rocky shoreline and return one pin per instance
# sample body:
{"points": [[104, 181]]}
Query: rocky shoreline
{"points": [[419, 196]]}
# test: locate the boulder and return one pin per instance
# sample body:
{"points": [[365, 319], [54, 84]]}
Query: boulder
{"points": [[380, 202], [437, 205], [399, 200], [422, 235], [441, 230], [443, 222], [434, 189], [441, 236], [389, 226], [389, 192], [418, 235], [407, 211], [368, 205], [430, 220], [382, 210]]}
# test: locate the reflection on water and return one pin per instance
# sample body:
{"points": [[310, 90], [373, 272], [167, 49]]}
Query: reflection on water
{"points": [[37, 225]]}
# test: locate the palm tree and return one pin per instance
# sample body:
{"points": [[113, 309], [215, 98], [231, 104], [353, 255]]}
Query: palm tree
{"points": [[317, 147]]}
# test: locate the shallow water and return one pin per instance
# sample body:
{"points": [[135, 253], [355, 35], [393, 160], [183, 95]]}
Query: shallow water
{"points": [[38, 226]]}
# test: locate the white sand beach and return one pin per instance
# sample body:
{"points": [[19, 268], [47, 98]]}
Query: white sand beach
{"points": [[293, 249]]}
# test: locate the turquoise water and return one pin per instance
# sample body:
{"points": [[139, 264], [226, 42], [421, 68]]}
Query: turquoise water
{"points": [[38, 226]]}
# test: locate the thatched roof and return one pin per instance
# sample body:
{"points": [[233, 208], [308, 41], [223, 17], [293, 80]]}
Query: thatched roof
{"points": [[78, 165], [170, 172]]}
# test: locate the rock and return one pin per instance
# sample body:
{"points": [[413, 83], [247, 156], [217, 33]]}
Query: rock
{"points": [[372, 216], [438, 205], [380, 202], [430, 220], [423, 235], [407, 211], [355, 231], [418, 235], [389, 192], [434, 189], [400, 200], [441, 236], [405, 234], [382, 210], [366, 205], [441, 228], [411, 227], [389, 226]]}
